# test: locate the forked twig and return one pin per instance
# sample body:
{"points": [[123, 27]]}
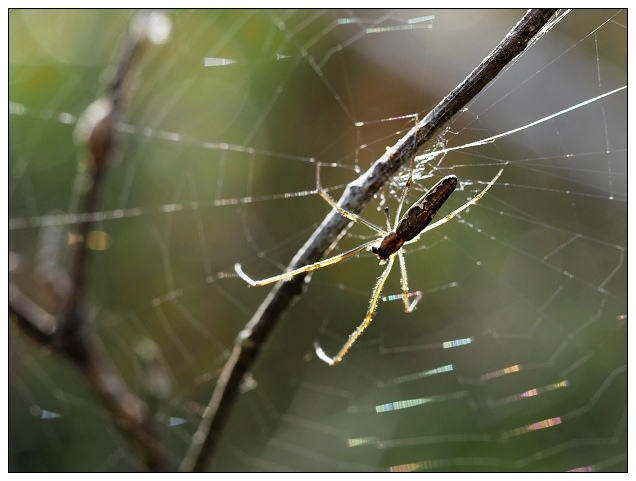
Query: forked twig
{"points": [[355, 197]]}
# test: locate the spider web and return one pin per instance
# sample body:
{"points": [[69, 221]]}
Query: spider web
{"points": [[514, 360]]}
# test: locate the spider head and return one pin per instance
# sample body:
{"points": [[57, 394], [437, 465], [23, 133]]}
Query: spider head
{"points": [[376, 251]]}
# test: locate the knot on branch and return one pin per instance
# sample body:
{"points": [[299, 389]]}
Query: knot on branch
{"points": [[96, 130]]}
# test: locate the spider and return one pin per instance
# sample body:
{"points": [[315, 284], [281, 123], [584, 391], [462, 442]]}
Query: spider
{"points": [[406, 230]]}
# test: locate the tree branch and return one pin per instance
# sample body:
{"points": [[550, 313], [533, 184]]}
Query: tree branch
{"points": [[355, 197]]}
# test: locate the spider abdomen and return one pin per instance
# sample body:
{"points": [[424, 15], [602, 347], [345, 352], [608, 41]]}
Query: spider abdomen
{"points": [[416, 218], [422, 212]]}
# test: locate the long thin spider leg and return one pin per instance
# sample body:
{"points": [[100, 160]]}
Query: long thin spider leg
{"points": [[340, 210], [332, 361], [408, 308], [407, 186], [457, 211], [388, 218], [300, 270], [350, 215]]}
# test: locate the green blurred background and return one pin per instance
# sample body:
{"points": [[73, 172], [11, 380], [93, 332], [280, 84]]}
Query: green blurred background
{"points": [[534, 274]]}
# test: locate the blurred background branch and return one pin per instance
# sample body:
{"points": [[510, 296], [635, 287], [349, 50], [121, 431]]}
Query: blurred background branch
{"points": [[66, 331]]}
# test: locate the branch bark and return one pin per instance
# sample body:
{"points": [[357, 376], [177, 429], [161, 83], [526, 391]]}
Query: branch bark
{"points": [[358, 193]]}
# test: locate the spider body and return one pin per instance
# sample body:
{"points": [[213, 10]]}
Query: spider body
{"points": [[416, 218], [406, 229]]}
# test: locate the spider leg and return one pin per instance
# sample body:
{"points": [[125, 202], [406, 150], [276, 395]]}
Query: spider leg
{"points": [[408, 308], [341, 211], [349, 215], [311, 267], [405, 192], [332, 361], [457, 211]]}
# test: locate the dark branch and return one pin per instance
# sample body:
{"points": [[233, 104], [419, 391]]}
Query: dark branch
{"points": [[355, 197], [97, 131]]}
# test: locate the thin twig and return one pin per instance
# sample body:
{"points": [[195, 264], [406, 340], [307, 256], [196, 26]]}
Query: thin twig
{"points": [[97, 131], [67, 332], [355, 197]]}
